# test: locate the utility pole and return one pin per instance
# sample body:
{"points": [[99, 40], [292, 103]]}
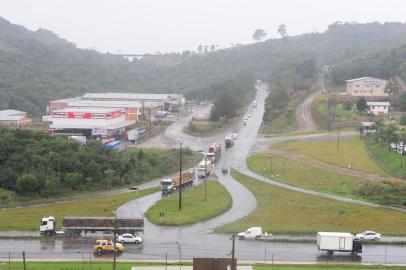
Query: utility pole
{"points": [[233, 253], [180, 176], [114, 243], [338, 138], [205, 177]]}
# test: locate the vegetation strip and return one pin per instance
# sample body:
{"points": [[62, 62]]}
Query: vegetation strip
{"points": [[285, 211], [194, 208], [22, 219]]}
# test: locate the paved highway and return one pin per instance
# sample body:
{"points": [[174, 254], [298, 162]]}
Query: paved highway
{"points": [[200, 239]]}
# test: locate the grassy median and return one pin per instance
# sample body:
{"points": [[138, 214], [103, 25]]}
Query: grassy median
{"points": [[28, 218], [324, 267], [194, 208], [350, 153], [307, 176], [285, 211]]}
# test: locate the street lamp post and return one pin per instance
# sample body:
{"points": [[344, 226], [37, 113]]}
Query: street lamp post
{"points": [[205, 177], [83, 258], [180, 176], [180, 255]]}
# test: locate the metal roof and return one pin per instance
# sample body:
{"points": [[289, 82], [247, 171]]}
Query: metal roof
{"points": [[114, 104], [139, 96], [12, 115], [376, 103], [66, 99], [365, 78], [84, 110]]}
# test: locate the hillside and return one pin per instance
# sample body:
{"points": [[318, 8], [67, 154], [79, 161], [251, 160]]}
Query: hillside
{"points": [[36, 66]]}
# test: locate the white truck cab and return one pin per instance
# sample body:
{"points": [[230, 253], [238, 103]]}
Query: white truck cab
{"points": [[167, 185], [48, 226], [251, 233]]}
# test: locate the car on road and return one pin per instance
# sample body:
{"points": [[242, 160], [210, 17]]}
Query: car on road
{"points": [[129, 238], [106, 246], [235, 136], [368, 235], [249, 115], [245, 121], [224, 170]]}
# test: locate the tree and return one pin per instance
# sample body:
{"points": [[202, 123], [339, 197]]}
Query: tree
{"points": [[391, 88], [282, 31], [200, 48], [362, 104], [27, 183], [400, 102], [259, 34]]}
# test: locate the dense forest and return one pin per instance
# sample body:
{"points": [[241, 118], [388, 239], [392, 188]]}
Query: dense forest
{"points": [[35, 163], [36, 66]]}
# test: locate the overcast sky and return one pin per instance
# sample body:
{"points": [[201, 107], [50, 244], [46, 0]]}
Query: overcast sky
{"points": [[135, 26]]}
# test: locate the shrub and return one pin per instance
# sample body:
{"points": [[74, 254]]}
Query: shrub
{"points": [[403, 119]]}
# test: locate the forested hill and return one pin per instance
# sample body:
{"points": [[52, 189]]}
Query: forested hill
{"points": [[36, 66]]}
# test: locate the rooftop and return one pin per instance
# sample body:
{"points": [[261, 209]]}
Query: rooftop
{"points": [[67, 99], [86, 110], [376, 103], [128, 96], [365, 78], [114, 104], [11, 115]]}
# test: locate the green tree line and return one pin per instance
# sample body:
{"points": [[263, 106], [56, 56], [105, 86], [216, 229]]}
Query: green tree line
{"points": [[36, 163]]}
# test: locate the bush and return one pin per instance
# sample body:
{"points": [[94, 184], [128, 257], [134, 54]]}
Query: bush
{"points": [[347, 105], [403, 119]]}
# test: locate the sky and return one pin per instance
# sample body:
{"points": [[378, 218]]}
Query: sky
{"points": [[151, 26]]}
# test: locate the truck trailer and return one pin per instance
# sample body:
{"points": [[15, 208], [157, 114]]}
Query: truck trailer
{"points": [[338, 241], [75, 226], [205, 168], [169, 185]]}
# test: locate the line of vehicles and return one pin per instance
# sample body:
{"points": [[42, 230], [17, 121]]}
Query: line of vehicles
{"points": [[326, 241]]}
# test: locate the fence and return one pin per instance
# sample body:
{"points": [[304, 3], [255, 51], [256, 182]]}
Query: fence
{"points": [[268, 253]]}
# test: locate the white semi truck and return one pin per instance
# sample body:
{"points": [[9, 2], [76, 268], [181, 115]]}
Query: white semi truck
{"points": [[338, 241], [205, 168]]}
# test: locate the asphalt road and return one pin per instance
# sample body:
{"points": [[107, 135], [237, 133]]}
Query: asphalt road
{"points": [[199, 240]]}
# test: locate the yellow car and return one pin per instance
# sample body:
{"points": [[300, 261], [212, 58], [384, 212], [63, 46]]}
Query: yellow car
{"points": [[103, 246]]}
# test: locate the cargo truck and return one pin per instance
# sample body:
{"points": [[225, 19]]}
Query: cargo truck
{"points": [[169, 185], [214, 152], [75, 226], [205, 168], [338, 241]]}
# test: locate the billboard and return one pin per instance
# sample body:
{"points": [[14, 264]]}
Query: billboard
{"points": [[88, 115]]}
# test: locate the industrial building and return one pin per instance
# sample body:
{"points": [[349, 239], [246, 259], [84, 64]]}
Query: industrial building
{"points": [[14, 118], [90, 122], [366, 87]]}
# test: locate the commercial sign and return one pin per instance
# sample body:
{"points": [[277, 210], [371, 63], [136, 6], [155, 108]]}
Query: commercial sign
{"points": [[87, 115]]}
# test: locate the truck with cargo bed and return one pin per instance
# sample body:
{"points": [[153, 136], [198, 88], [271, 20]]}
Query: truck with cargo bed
{"points": [[338, 241], [205, 168], [168, 185], [75, 226]]}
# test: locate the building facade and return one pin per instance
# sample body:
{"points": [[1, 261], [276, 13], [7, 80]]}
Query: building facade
{"points": [[366, 87], [378, 108], [14, 118]]}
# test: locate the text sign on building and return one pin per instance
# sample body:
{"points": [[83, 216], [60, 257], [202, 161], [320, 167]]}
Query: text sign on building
{"points": [[87, 115]]}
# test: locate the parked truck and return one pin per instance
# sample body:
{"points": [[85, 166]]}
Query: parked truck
{"points": [[338, 241], [169, 185], [75, 226], [205, 168]]}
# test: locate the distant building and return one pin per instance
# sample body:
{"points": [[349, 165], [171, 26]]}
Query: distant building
{"points": [[89, 122], [378, 108], [366, 87], [14, 118]]}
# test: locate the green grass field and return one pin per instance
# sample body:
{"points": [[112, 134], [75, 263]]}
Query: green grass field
{"points": [[27, 218], [285, 211], [390, 160], [300, 174], [127, 265], [350, 153], [194, 208]]}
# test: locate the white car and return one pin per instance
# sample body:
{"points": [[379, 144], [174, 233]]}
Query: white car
{"points": [[249, 115], [129, 238], [368, 235], [235, 136]]}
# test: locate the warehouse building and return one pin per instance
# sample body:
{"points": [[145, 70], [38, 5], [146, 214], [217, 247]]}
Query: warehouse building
{"points": [[366, 87], [14, 118], [89, 122]]}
